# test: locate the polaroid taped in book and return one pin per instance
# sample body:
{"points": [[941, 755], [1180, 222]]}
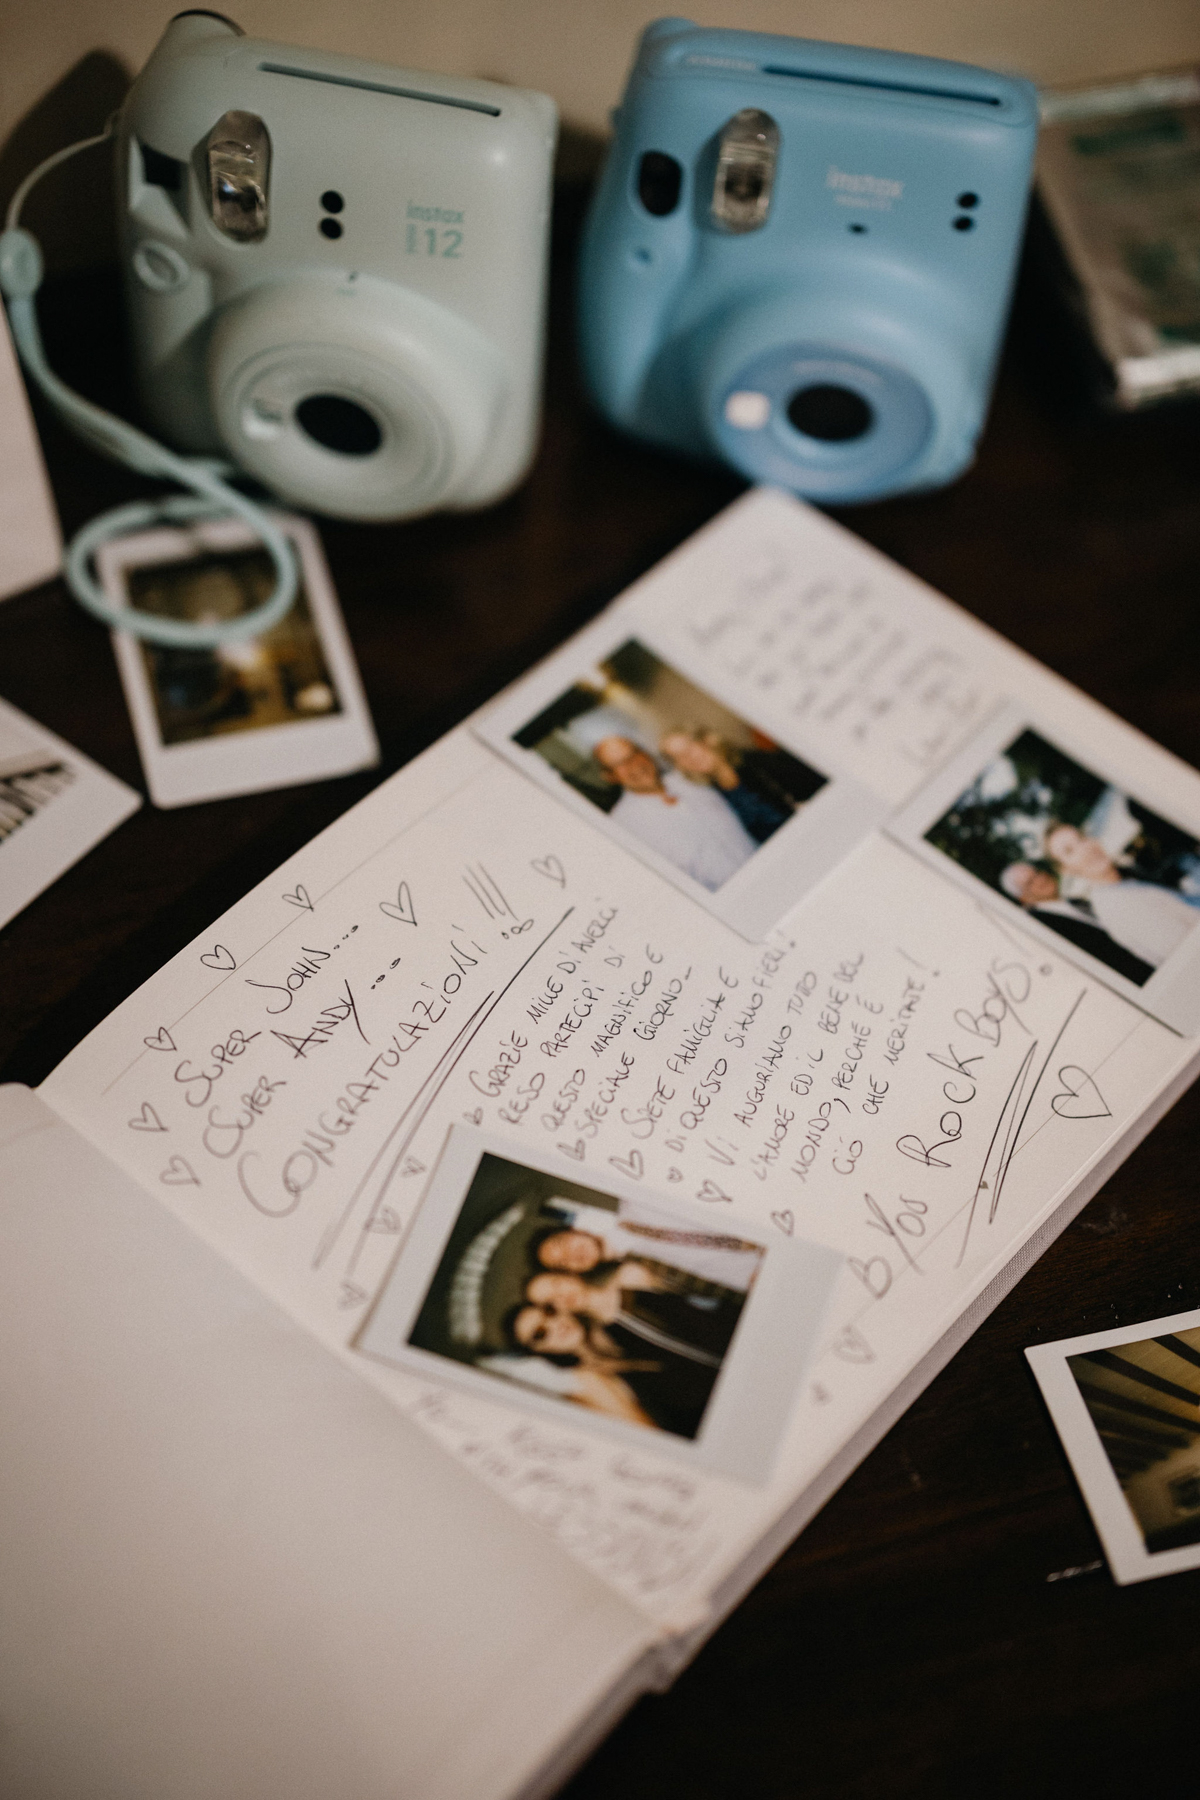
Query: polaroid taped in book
{"points": [[642, 1313], [1077, 857], [677, 777], [1125, 1404]]}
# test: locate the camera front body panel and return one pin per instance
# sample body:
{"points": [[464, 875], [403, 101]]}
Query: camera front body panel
{"points": [[336, 269], [800, 257]]}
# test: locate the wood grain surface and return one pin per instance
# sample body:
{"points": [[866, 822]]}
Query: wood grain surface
{"points": [[945, 1627]]}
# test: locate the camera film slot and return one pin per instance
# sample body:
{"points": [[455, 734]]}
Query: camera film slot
{"points": [[885, 87], [378, 87]]}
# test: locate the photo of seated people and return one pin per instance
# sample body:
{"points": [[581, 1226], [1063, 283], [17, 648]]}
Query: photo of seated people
{"points": [[670, 765], [1097, 867], [611, 1305]]}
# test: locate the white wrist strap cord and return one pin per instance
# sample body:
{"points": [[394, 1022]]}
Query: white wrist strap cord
{"points": [[211, 496]]}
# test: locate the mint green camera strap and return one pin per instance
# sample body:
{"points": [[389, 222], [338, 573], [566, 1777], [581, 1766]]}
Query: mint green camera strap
{"points": [[211, 496]]}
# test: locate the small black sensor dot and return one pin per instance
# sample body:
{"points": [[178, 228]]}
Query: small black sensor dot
{"points": [[964, 224], [331, 229], [332, 201], [967, 201], [858, 228]]}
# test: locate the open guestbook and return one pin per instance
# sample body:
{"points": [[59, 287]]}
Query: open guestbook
{"points": [[434, 1297]]}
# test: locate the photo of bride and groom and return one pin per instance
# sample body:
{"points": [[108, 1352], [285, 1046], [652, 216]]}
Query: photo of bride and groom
{"points": [[670, 765], [1074, 852]]}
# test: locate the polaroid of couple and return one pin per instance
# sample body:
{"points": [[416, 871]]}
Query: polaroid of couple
{"points": [[637, 1313], [741, 822], [1086, 864]]}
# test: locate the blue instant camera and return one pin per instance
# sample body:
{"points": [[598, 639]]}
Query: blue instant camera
{"points": [[800, 256]]}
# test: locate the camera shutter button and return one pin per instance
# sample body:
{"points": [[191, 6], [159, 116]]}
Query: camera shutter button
{"points": [[160, 267]]}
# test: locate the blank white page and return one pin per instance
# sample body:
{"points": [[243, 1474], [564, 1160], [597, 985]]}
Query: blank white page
{"points": [[229, 1566]]}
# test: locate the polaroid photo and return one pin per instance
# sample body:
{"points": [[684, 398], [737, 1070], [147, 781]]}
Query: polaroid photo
{"points": [[269, 712], [682, 781], [1126, 1404], [646, 1318], [1039, 827], [55, 804]]}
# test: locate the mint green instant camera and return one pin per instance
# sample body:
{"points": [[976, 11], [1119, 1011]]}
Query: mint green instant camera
{"points": [[336, 270]]}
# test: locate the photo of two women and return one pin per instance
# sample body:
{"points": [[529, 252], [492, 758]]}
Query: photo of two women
{"points": [[616, 1306]]}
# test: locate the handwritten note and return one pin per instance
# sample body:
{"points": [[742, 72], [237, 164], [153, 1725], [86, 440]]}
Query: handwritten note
{"points": [[892, 1073], [848, 658]]}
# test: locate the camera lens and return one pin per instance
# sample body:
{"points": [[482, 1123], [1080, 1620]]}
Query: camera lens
{"points": [[340, 425], [833, 414]]}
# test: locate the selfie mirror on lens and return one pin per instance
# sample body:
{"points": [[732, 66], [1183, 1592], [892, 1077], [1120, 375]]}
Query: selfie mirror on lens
{"points": [[336, 269], [800, 256]]}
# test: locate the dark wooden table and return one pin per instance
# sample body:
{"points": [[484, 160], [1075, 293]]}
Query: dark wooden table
{"points": [[945, 1627]]}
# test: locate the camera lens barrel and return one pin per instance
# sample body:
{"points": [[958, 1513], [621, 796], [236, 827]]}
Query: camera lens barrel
{"points": [[364, 400], [808, 413]]}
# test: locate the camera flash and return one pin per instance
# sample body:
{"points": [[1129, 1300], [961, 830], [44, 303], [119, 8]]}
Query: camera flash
{"points": [[747, 410], [745, 171], [239, 161]]}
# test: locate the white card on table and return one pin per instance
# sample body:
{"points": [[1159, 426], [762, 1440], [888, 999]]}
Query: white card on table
{"points": [[30, 544]]}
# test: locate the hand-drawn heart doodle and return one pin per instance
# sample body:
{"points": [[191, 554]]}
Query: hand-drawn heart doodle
{"points": [[162, 1040], [674, 1174], [710, 1191], [631, 1165], [474, 1118], [786, 1221], [299, 897], [403, 907], [179, 1173], [411, 1166], [551, 868], [385, 1221], [575, 1150], [1079, 1097], [351, 1294], [219, 958], [852, 1346], [147, 1120]]}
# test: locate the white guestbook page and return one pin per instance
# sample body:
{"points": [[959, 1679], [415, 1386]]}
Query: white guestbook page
{"points": [[897, 1070]]}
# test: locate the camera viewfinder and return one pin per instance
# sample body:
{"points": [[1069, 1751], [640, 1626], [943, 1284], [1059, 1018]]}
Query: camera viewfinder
{"points": [[239, 163], [746, 155], [660, 179]]}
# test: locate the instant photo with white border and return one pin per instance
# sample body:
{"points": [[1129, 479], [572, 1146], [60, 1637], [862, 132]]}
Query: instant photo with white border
{"points": [[728, 857], [758, 1373], [55, 804], [1170, 990], [243, 761], [1135, 1455]]}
